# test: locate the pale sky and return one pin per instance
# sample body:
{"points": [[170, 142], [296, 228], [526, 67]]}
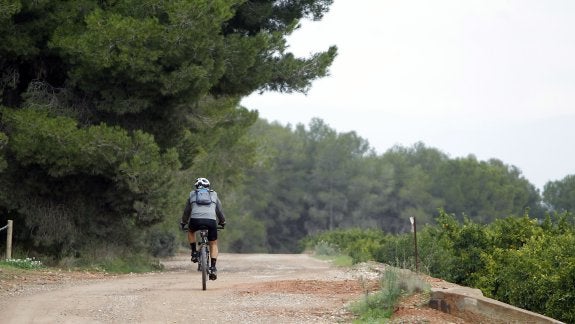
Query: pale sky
{"points": [[493, 78]]}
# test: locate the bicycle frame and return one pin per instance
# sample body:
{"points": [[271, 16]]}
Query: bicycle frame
{"points": [[204, 256], [204, 259]]}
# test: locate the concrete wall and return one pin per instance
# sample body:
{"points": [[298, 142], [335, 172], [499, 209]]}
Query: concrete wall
{"points": [[470, 305]]}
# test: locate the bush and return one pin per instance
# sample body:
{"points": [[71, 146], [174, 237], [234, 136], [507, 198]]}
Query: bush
{"points": [[539, 277], [162, 244], [516, 260], [324, 248], [397, 251], [359, 244]]}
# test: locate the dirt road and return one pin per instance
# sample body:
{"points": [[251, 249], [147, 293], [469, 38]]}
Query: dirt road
{"points": [[251, 288]]}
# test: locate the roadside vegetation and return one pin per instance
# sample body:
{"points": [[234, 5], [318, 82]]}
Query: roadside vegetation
{"points": [[523, 261], [139, 263], [27, 263], [119, 266], [394, 285], [110, 263], [330, 251]]}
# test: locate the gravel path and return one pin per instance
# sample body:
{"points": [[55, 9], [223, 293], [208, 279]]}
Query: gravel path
{"points": [[251, 288]]}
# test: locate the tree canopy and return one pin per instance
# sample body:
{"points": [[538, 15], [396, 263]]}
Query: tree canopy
{"points": [[560, 195], [107, 105], [310, 179]]}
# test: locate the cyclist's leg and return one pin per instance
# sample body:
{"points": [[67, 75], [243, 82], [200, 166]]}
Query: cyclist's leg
{"points": [[213, 239], [213, 258], [192, 240], [213, 242], [213, 249], [193, 227]]}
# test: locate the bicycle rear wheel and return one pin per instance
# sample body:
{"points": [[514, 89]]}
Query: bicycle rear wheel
{"points": [[204, 266]]}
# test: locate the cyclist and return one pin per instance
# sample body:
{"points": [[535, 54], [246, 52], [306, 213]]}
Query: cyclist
{"points": [[198, 214]]}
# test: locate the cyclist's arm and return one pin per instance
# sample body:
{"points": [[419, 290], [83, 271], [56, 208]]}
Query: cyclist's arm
{"points": [[187, 211], [220, 212]]}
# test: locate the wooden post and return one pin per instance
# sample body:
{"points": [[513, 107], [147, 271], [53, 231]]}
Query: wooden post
{"points": [[415, 239], [414, 229], [9, 240]]}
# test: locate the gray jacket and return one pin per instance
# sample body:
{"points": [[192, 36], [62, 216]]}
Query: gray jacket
{"points": [[212, 211]]}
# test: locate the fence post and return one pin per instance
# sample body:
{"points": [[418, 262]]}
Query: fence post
{"points": [[414, 230], [9, 240]]}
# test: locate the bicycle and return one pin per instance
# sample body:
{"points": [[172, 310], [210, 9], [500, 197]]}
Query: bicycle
{"points": [[204, 257]]}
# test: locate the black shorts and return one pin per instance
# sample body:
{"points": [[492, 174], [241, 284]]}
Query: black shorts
{"points": [[211, 225]]}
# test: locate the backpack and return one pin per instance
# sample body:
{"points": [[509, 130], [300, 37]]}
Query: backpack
{"points": [[203, 197]]}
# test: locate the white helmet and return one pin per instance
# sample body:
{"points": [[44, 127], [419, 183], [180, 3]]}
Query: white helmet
{"points": [[202, 182]]}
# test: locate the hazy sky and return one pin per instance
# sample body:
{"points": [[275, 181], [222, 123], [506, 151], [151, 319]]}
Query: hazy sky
{"points": [[493, 78]]}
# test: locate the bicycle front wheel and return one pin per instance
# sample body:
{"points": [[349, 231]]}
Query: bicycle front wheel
{"points": [[204, 266]]}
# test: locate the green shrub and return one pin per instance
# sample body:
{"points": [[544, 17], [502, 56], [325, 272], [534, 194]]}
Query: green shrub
{"points": [[516, 260], [324, 248], [363, 249], [397, 251], [359, 244], [162, 244], [539, 277]]}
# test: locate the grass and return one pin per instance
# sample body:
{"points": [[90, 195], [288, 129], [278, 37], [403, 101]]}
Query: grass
{"points": [[129, 265], [27, 263], [395, 284], [111, 259], [132, 264], [328, 251], [379, 306], [337, 260], [94, 260], [10, 269]]}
